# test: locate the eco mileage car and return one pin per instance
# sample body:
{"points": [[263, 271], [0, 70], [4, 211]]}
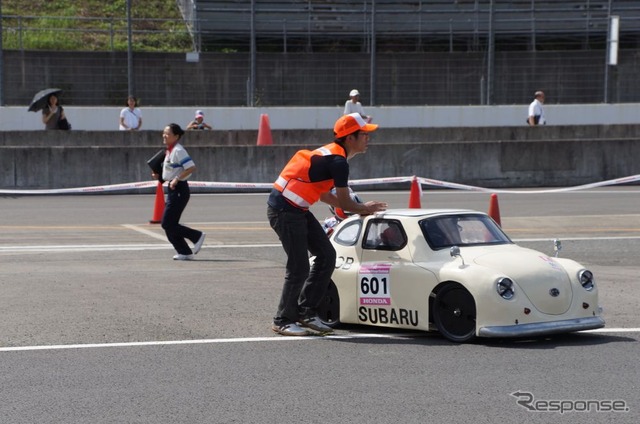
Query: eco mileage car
{"points": [[457, 271]]}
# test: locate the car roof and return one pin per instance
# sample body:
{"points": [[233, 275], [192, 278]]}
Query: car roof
{"points": [[421, 212]]}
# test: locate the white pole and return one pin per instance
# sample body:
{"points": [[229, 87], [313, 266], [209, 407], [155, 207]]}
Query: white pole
{"points": [[613, 40]]}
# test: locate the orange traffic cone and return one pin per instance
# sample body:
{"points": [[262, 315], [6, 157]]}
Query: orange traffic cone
{"points": [[264, 131], [158, 208], [416, 193], [494, 209]]}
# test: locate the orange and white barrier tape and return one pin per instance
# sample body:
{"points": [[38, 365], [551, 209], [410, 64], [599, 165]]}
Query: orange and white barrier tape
{"points": [[616, 181], [267, 186]]}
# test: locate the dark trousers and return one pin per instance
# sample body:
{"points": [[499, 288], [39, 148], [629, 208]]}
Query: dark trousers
{"points": [[304, 286], [177, 200]]}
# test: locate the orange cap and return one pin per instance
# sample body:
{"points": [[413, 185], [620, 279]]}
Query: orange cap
{"points": [[351, 123]]}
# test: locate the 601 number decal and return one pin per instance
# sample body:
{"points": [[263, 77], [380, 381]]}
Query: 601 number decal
{"points": [[373, 285]]}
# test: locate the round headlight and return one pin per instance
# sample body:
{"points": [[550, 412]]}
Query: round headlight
{"points": [[505, 288], [586, 279]]}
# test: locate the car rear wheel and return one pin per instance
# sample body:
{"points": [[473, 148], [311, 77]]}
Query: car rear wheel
{"points": [[329, 308], [454, 313]]}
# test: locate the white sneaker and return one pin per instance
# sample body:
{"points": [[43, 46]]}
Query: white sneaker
{"points": [[198, 245], [180, 257], [289, 330], [314, 323]]}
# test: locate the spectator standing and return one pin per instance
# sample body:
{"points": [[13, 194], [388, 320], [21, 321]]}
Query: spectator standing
{"points": [[536, 111], [353, 105], [176, 170], [131, 116], [308, 177], [52, 113], [198, 123]]}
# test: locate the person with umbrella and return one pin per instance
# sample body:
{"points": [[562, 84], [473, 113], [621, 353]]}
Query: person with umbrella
{"points": [[52, 113], [47, 101]]}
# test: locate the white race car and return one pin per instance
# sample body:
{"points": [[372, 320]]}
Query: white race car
{"points": [[455, 271]]}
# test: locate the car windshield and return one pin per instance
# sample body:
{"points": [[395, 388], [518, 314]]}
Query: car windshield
{"points": [[462, 230]]}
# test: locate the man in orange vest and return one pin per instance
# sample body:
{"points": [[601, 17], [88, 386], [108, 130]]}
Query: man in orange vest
{"points": [[308, 177]]}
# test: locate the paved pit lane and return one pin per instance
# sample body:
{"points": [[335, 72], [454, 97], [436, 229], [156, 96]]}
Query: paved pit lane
{"points": [[98, 324]]}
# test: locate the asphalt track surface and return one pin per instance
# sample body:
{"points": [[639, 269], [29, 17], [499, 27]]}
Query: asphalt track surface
{"points": [[99, 325]]}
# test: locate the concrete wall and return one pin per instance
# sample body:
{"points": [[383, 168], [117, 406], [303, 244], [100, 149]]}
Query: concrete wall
{"points": [[487, 157], [284, 118], [315, 137]]}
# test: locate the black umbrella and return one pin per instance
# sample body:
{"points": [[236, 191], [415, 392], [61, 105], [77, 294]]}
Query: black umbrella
{"points": [[41, 98]]}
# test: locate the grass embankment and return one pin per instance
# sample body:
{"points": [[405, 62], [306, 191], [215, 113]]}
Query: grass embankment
{"points": [[90, 25]]}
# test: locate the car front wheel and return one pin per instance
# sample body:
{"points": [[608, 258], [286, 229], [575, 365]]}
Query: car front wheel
{"points": [[454, 313], [329, 308]]}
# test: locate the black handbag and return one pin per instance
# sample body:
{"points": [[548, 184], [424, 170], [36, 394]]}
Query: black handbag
{"points": [[536, 119], [156, 161], [63, 124]]}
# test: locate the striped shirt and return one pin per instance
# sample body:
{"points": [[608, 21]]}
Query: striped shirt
{"points": [[176, 161]]}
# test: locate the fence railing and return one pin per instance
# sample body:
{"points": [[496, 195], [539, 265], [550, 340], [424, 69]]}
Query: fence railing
{"points": [[331, 25], [306, 53]]}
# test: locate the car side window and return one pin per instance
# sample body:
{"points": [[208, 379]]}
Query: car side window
{"points": [[439, 232], [462, 230], [384, 234], [349, 233]]}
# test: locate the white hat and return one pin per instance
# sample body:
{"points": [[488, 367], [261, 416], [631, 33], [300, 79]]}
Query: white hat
{"points": [[199, 114], [354, 92]]}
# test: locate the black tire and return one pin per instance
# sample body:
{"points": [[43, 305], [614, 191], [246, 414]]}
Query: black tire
{"points": [[329, 308], [454, 313]]}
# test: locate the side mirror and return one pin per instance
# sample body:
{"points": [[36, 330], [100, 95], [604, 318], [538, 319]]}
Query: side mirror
{"points": [[455, 252]]}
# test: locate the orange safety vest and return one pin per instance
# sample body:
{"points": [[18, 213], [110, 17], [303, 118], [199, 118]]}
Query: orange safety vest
{"points": [[294, 182]]}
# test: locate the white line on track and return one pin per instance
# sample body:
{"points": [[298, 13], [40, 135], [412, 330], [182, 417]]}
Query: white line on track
{"points": [[577, 238], [208, 341], [258, 339], [120, 247], [138, 247], [265, 223], [428, 191], [145, 232], [613, 330]]}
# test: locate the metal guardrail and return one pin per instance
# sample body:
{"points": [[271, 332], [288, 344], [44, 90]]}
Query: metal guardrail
{"points": [[282, 20]]}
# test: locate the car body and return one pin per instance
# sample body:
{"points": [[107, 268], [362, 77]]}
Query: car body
{"points": [[455, 271]]}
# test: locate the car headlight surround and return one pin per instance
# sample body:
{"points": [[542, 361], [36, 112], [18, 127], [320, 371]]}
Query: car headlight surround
{"points": [[505, 288], [585, 277]]}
